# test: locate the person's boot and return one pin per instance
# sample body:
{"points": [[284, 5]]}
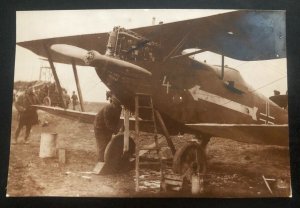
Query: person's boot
{"points": [[26, 141]]}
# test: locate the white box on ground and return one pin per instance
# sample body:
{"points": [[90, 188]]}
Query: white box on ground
{"points": [[48, 145]]}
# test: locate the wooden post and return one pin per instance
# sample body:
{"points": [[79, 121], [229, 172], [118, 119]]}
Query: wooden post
{"points": [[77, 84], [126, 130], [62, 155], [55, 76]]}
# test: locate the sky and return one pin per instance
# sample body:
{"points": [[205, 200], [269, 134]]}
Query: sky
{"points": [[265, 76]]}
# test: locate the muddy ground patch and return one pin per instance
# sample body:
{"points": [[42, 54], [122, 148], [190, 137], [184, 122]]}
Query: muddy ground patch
{"points": [[235, 169]]}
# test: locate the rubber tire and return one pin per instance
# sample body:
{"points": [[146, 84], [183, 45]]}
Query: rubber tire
{"points": [[181, 153], [114, 159]]}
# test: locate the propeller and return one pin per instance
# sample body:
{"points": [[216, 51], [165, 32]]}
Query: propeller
{"points": [[93, 58], [70, 51]]}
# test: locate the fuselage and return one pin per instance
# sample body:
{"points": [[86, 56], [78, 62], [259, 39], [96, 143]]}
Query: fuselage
{"points": [[186, 91]]}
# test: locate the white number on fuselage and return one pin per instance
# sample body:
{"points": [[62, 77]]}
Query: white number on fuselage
{"points": [[166, 84]]}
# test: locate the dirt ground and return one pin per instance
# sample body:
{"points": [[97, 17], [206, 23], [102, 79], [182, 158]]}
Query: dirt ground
{"points": [[234, 169]]}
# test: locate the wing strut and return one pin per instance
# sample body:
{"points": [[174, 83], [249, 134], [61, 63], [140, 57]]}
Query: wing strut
{"points": [[77, 84], [177, 47], [222, 71], [55, 76]]}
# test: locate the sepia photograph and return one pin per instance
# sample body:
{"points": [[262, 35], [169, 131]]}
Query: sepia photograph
{"points": [[150, 103]]}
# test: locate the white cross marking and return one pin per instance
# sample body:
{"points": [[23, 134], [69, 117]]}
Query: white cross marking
{"points": [[267, 115], [199, 94]]}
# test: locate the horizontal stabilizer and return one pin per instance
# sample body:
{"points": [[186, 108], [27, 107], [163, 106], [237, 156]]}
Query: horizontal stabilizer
{"points": [[280, 100]]}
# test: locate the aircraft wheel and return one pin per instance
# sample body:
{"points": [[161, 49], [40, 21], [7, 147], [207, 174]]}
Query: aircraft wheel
{"points": [[47, 101], [115, 160], [189, 159]]}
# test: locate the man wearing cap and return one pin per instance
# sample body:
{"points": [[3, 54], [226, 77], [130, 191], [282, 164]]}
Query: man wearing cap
{"points": [[27, 114], [106, 124]]}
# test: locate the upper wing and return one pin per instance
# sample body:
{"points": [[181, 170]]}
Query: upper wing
{"points": [[96, 42], [243, 35]]}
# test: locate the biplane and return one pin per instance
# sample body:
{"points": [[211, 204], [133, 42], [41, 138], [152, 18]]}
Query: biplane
{"points": [[187, 95]]}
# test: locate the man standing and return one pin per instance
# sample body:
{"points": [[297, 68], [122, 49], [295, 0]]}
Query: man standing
{"points": [[106, 123], [67, 99], [74, 100], [27, 114]]}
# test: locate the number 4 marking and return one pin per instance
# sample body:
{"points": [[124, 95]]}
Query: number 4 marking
{"points": [[166, 84]]}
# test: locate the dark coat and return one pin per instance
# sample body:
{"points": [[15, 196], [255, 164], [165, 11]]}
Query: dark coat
{"points": [[28, 114], [108, 118], [74, 99]]}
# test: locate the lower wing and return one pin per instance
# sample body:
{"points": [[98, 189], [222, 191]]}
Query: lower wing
{"points": [[250, 133], [87, 117]]}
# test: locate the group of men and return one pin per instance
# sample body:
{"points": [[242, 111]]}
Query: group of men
{"points": [[105, 124]]}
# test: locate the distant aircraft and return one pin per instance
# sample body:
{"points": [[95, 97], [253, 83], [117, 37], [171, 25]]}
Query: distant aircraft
{"points": [[189, 96]]}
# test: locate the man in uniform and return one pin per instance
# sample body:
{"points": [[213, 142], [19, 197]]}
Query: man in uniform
{"points": [[106, 124], [27, 114], [74, 100]]}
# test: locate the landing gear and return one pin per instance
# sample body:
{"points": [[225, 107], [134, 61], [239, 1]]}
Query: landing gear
{"points": [[115, 160], [190, 160]]}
